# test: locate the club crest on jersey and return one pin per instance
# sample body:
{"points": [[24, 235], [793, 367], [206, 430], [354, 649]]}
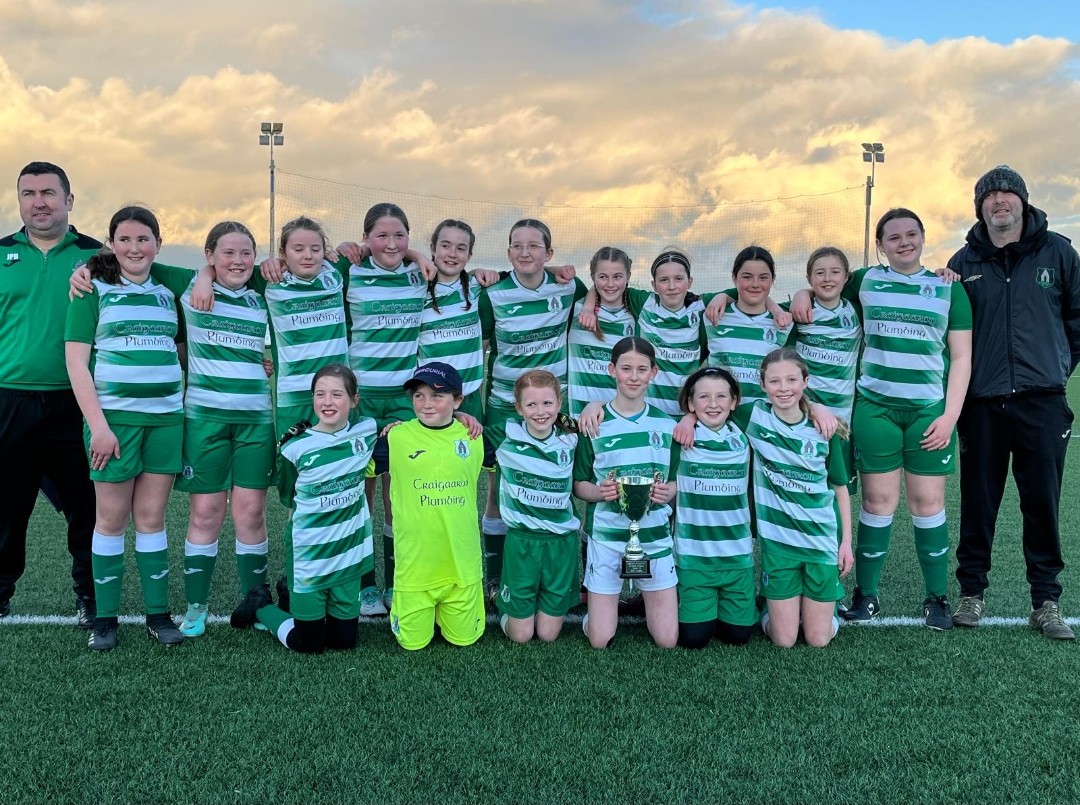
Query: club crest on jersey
{"points": [[414, 278], [1045, 276], [735, 442], [555, 304], [564, 458], [693, 320], [846, 321], [330, 281], [655, 439], [357, 445], [628, 330], [769, 336], [461, 447], [926, 291], [165, 301], [808, 449], [252, 301]]}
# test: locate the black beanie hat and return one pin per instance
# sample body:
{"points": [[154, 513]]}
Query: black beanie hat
{"points": [[1000, 178]]}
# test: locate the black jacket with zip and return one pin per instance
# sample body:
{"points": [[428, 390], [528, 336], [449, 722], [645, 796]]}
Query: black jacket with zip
{"points": [[1025, 304]]}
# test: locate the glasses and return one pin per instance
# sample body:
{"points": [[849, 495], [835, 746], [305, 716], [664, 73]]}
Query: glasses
{"points": [[518, 248]]}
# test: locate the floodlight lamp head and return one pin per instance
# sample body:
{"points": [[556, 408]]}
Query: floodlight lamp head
{"points": [[280, 140], [866, 146], [867, 157], [264, 139], [879, 147], [277, 127], [879, 156], [265, 128]]}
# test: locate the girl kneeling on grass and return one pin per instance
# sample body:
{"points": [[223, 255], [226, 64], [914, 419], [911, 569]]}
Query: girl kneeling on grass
{"points": [[540, 563], [125, 373], [713, 545], [804, 526], [634, 440], [328, 541]]}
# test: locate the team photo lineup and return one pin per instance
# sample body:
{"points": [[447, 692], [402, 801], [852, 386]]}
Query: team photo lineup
{"points": [[636, 444]]}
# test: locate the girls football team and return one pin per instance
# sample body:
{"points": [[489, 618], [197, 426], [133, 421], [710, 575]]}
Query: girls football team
{"points": [[381, 337]]}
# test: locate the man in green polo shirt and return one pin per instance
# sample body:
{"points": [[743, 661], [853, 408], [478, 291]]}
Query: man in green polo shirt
{"points": [[40, 422]]}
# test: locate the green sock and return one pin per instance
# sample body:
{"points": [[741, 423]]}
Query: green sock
{"points": [[199, 561], [932, 548], [152, 559], [875, 533], [251, 565], [107, 562], [388, 560], [272, 618]]}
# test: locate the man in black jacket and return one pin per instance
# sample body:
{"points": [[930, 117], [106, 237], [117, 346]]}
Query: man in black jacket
{"points": [[1024, 284]]}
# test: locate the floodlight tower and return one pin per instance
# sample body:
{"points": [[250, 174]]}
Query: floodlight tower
{"points": [[271, 135], [872, 153]]}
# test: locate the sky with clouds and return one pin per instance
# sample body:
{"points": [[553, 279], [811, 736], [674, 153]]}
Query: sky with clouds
{"points": [[586, 103]]}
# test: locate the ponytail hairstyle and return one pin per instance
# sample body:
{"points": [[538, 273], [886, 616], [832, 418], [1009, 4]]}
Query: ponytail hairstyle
{"points": [[348, 380], [788, 354], [827, 251], [543, 379], [532, 223], [673, 254], [104, 265], [686, 393], [759, 253], [609, 254], [384, 209], [220, 230], [463, 277], [302, 223], [633, 343]]}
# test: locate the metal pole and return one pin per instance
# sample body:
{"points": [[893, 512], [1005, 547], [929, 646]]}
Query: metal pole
{"points": [[272, 228], [866, 228]]}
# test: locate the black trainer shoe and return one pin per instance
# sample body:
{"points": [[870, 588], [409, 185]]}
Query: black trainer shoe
{"points": [[863, 607], [937, 613], [104, 635], [243, 616], [162, 628], [85, 613], [282, 588], [5, 608]]}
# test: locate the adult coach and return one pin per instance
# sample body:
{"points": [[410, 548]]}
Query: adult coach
{"points": [[1024, 284], [40, 423]]}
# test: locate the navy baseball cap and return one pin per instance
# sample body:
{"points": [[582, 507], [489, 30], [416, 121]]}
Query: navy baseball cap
{"points": [[440, 376]]}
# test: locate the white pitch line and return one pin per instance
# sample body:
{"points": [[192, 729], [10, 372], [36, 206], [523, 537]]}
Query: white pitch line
{"points": [[221, 620]]}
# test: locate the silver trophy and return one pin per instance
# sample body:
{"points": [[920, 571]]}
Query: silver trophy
{"points": [[635, 493]]}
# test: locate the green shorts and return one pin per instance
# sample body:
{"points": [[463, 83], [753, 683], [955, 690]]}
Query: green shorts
{"points": [[342, 601], [495, 418], [725, 594], [143, 448], [459, 611], [887, 439], [386, 408], [539, 574], [784, 577], [220, 455]]}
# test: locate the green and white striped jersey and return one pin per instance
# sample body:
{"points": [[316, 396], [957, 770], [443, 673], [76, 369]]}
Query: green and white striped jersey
{"points": [[133, 330], [677, 338], [527, 328], [589, 357], [830, 345], [452, 334], [712, 515], [328, 541], [536, 483], [308, 320], [226, 381], [739, 342], [385, 307], [795, 471], [906, 322], [640, 446]]}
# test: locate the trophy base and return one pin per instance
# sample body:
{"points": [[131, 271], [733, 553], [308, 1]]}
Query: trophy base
{"points": [[636, 568]]}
